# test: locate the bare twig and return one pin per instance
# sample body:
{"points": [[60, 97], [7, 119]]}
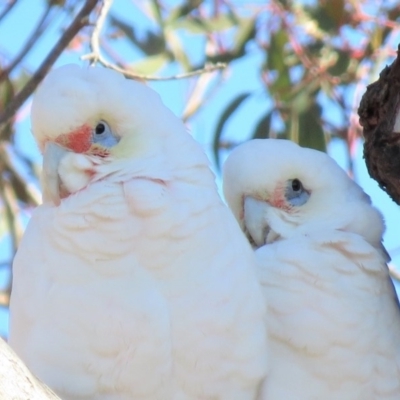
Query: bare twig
{"points": [[77, 24], [131, 75], [8, 8], [36, 34], [95, 55], [203, 92]]}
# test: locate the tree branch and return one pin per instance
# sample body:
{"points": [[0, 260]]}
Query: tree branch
{"points": [[96, 56], [378, 112], [40, 27], [77, 24], [17, 382], [24, 190], [8, 8]]}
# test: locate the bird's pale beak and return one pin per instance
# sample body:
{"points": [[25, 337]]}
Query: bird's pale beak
{"points": [[255, 220], [52, 157]]}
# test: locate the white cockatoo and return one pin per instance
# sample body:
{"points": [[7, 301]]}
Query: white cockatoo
{"points": [[333, 316], [133, 280]]}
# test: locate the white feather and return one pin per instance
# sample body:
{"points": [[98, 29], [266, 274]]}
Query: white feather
{"points": [[139, 285], [333, 314]]}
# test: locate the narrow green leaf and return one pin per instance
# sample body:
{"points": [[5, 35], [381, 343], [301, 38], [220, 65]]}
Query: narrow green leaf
{"points": [[305, 127], [153, 43], [315, 47], [151, 64], [342, 63], [285, 3], [183, 10], [275, 55], [376, 38], [263, 127], [200, 26], [394, 13], [127, 29], [294, 134], [302, 100], [336, 10], [21, 80], [156, 11], [311, 133], [195, 26], [177, 49], [7, 92], [282, 85], [19, 188], [246, 32], [330, 15], [220, 23], [229, 110], [59, 3]]}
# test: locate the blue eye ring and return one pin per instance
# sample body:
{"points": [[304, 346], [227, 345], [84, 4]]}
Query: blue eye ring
{"points": [[103, 135], [295, 194]]}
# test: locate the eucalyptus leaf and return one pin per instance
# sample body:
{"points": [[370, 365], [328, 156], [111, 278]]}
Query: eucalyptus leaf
{"points": [[263, 127], [151, 64], [342, 63], [311, 133], [226, 114]]}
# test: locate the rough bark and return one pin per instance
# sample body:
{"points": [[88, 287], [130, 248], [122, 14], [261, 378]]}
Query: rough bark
{"points": [[378, 111], [17, 382]]}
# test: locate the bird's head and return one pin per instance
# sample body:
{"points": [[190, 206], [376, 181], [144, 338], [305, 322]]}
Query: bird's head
{"points": [[276, 188], [96, 114]]}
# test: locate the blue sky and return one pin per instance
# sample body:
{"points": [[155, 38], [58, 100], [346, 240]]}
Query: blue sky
{"points": [[243, 76]]}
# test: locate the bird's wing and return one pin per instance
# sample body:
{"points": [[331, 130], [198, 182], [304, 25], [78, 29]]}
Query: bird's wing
{"points": [[334, 319]]}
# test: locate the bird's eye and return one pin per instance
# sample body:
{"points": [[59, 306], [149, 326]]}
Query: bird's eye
{"points": [[296, 185], [100, 128], [103, 135], [295, 193]]}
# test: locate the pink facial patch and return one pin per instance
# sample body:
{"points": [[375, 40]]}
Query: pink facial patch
{"points": [[79, 140], [278, 199]]}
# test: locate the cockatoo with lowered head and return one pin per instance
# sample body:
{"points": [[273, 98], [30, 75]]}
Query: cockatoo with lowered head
{"points": [[133, 280], [333, 316]]}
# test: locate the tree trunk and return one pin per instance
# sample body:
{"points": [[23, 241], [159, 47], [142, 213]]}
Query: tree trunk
{"points": [[17, 382], [378, 111]]}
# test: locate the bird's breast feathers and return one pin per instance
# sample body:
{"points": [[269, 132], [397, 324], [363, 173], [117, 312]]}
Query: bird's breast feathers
{"points": [[131, 266]]}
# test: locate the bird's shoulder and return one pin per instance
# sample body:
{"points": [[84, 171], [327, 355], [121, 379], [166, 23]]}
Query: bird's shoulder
{"points": [[329, 295], [345, 251]]}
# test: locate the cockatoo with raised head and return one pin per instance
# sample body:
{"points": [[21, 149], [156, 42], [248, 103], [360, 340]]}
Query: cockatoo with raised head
{"points": [[133, 280], [333, 316]]}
